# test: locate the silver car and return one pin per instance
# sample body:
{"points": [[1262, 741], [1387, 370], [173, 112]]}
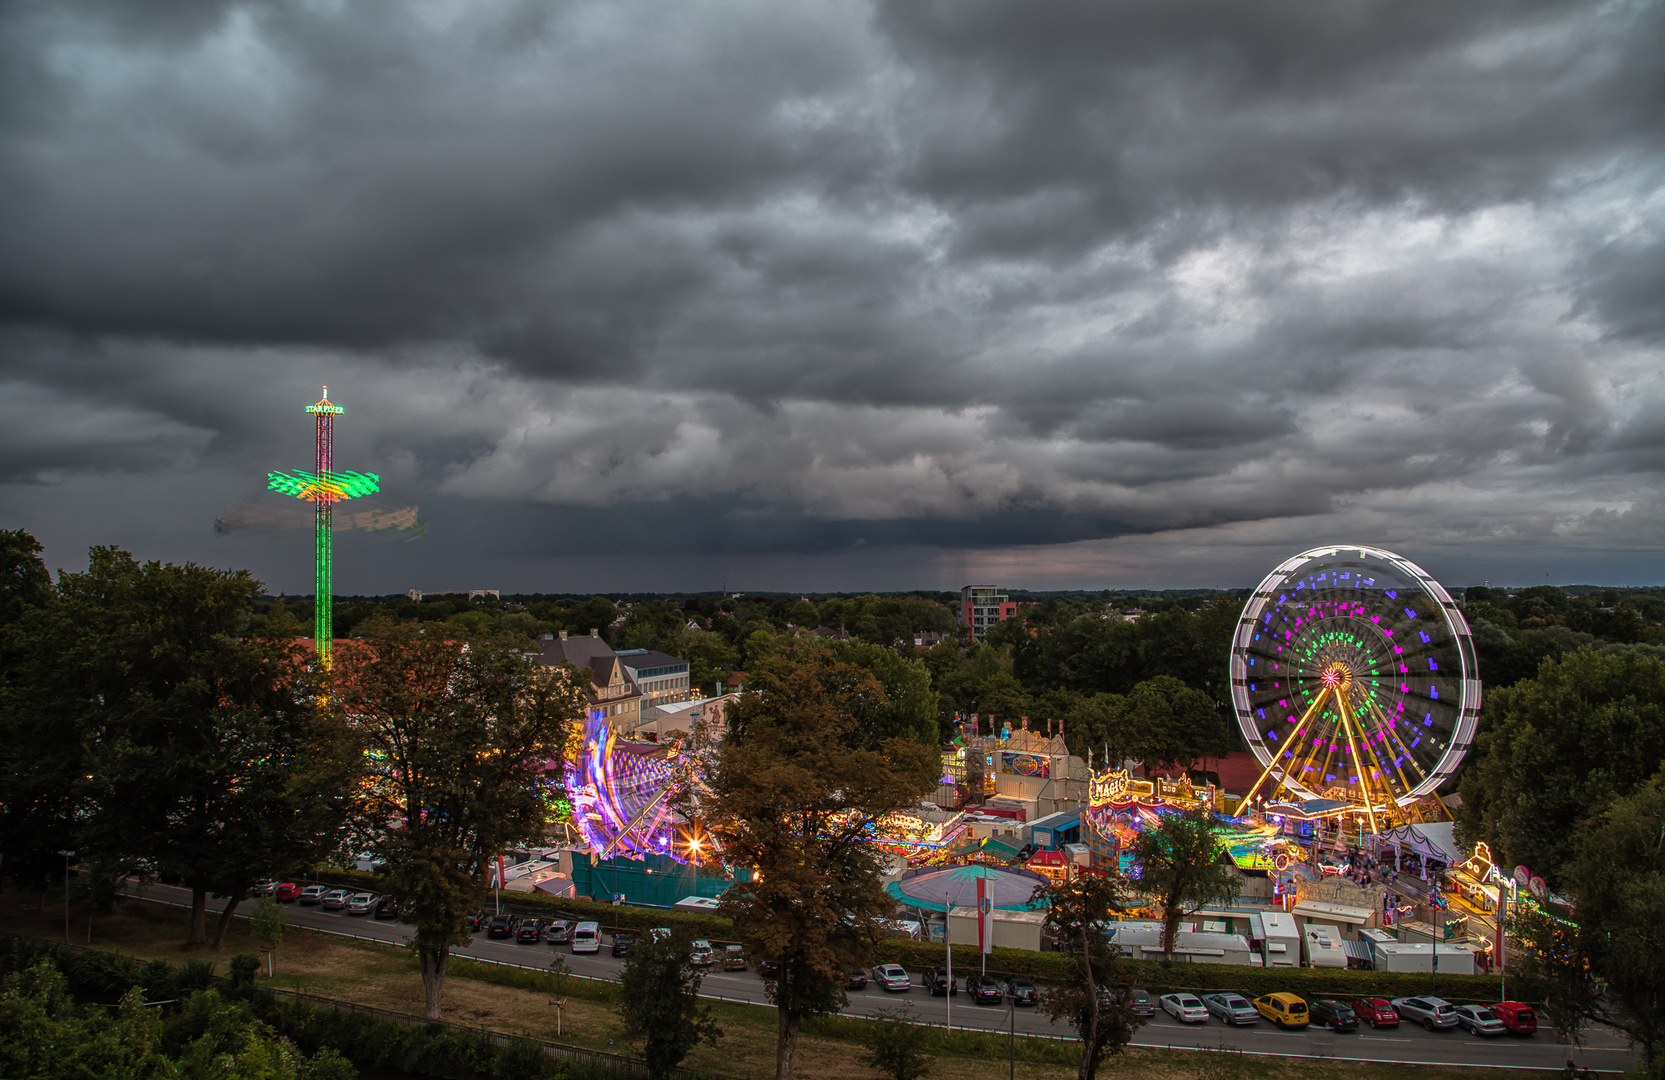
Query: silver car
{"points": [[335, 899], [1478, 1020], [1434, 1014], [893, 977], [1232, 1008], [1185, 1008], [361, 903]]}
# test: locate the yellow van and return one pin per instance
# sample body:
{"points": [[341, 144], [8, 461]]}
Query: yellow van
{"points": [[1284, 1010]]}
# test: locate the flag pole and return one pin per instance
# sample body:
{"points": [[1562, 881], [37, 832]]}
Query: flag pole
{"points": [[948, 940]]}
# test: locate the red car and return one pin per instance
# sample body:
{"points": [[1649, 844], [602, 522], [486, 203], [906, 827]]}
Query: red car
{"points": [[1377, 1012], [286, 893], [1517, 1016]]}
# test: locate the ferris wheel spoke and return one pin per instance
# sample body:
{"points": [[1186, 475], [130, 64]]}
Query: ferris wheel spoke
{"points": [[1391, 731], [1299, 727]]}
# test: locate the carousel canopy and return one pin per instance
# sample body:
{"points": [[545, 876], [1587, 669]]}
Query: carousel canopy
{"points": [[1431, 840], [933, 889]]}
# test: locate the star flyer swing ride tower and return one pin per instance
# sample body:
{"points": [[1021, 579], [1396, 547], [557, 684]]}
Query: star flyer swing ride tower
{"points": [[324, 487]]}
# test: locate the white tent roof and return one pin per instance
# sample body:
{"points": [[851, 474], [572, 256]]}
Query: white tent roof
{"points": [[1434, 839]]}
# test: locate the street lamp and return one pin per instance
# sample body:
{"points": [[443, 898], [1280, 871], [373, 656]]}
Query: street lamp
{"points": [[68, 855]]}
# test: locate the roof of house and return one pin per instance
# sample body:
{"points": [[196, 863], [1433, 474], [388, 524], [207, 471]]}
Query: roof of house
{"points": [[640, 659], [577, 651]]}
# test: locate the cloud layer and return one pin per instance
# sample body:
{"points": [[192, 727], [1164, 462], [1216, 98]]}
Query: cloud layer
{"points": [[844, 295]]}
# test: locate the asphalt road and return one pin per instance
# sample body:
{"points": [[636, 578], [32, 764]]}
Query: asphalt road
{"points": [[1605, 1051]]}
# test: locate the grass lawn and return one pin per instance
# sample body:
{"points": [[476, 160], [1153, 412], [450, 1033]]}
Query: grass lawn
{"points": [[387, 978]]}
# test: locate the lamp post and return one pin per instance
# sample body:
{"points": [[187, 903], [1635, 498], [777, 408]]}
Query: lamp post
{"points": [[68, 855], [1439, 932]]}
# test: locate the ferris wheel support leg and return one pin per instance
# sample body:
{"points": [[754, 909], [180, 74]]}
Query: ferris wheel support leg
{"points": [[1285, 745], [1358, 763]]}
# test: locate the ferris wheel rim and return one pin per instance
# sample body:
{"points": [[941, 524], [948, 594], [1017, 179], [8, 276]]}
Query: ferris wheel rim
{"points": [[1468, 705]]}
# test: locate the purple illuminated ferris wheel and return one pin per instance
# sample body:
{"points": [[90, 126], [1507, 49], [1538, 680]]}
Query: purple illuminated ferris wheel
{"points": [[1353, 678]]}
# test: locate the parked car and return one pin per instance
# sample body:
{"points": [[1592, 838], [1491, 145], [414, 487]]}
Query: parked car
{"points": [[1138, 1000], [1377, 1012], [1479, 1020], [559, 932], [361, 903], [622, 941], [530, 931], [734, 958], [586, 937], [855, 979], [1517, 1016], [892, 977], [936, 982], [388, 908], [475, 922], [264, 887], [286, 893], [1021, 989], [312, 895], [768, 967], [1185, 1008], [1434, 1014], [983, 989], [1284, 1010], [1326, 1013], [503, 925], [335, 899], [700, 954], [1232, 1008]]}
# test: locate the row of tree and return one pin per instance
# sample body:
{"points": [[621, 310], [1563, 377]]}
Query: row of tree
{"points": [[145, 734]]}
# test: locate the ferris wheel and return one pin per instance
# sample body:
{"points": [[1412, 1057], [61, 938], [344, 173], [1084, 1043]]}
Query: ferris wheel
{"points": [[1353, 678]]}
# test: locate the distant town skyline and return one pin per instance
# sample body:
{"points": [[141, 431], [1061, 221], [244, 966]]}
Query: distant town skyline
{"points": [[841, 296]]}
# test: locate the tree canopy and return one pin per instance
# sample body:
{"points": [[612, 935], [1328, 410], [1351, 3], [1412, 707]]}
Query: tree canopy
{"points": [[1587, 729], [460, 738], [795, 788]]}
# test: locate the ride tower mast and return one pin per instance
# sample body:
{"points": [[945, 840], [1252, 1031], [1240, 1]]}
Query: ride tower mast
{"points": [[323, 487]]}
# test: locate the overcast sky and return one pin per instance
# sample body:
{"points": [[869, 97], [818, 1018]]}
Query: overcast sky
{"points": [[841, 296]]}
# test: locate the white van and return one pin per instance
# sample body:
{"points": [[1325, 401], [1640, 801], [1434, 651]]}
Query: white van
{"points": [[586, 937]]}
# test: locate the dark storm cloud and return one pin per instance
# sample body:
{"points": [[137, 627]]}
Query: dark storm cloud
{"points": [[920, 275]]}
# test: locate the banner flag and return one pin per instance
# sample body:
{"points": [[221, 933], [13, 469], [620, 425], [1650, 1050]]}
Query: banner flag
{"points": [[985, 918]]}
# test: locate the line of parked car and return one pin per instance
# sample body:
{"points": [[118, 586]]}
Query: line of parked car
{"points": [[1291, 1011], [1282, 1009], [353, 903]]}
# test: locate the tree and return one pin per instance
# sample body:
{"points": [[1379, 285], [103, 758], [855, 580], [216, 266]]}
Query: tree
{"points": [[659, 1002], [1181, 865], [266, 927], [1619, 879], [1549, 965], [793, 795], [1168, 724], [910, 706], [1092, 997], [460, 738], [892, 1042], [40, 769], [1586, 730], [206, 754]]}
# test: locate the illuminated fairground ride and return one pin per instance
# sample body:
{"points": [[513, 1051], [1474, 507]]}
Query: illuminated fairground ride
{"points": [[631, 799], [1353, 679]]}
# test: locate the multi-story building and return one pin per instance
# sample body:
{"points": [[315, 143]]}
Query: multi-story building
{"points": [[610, 688], [981, 606], [662, 678]]}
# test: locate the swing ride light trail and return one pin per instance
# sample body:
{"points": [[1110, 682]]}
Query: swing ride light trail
{"points": [[323, 487]]}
